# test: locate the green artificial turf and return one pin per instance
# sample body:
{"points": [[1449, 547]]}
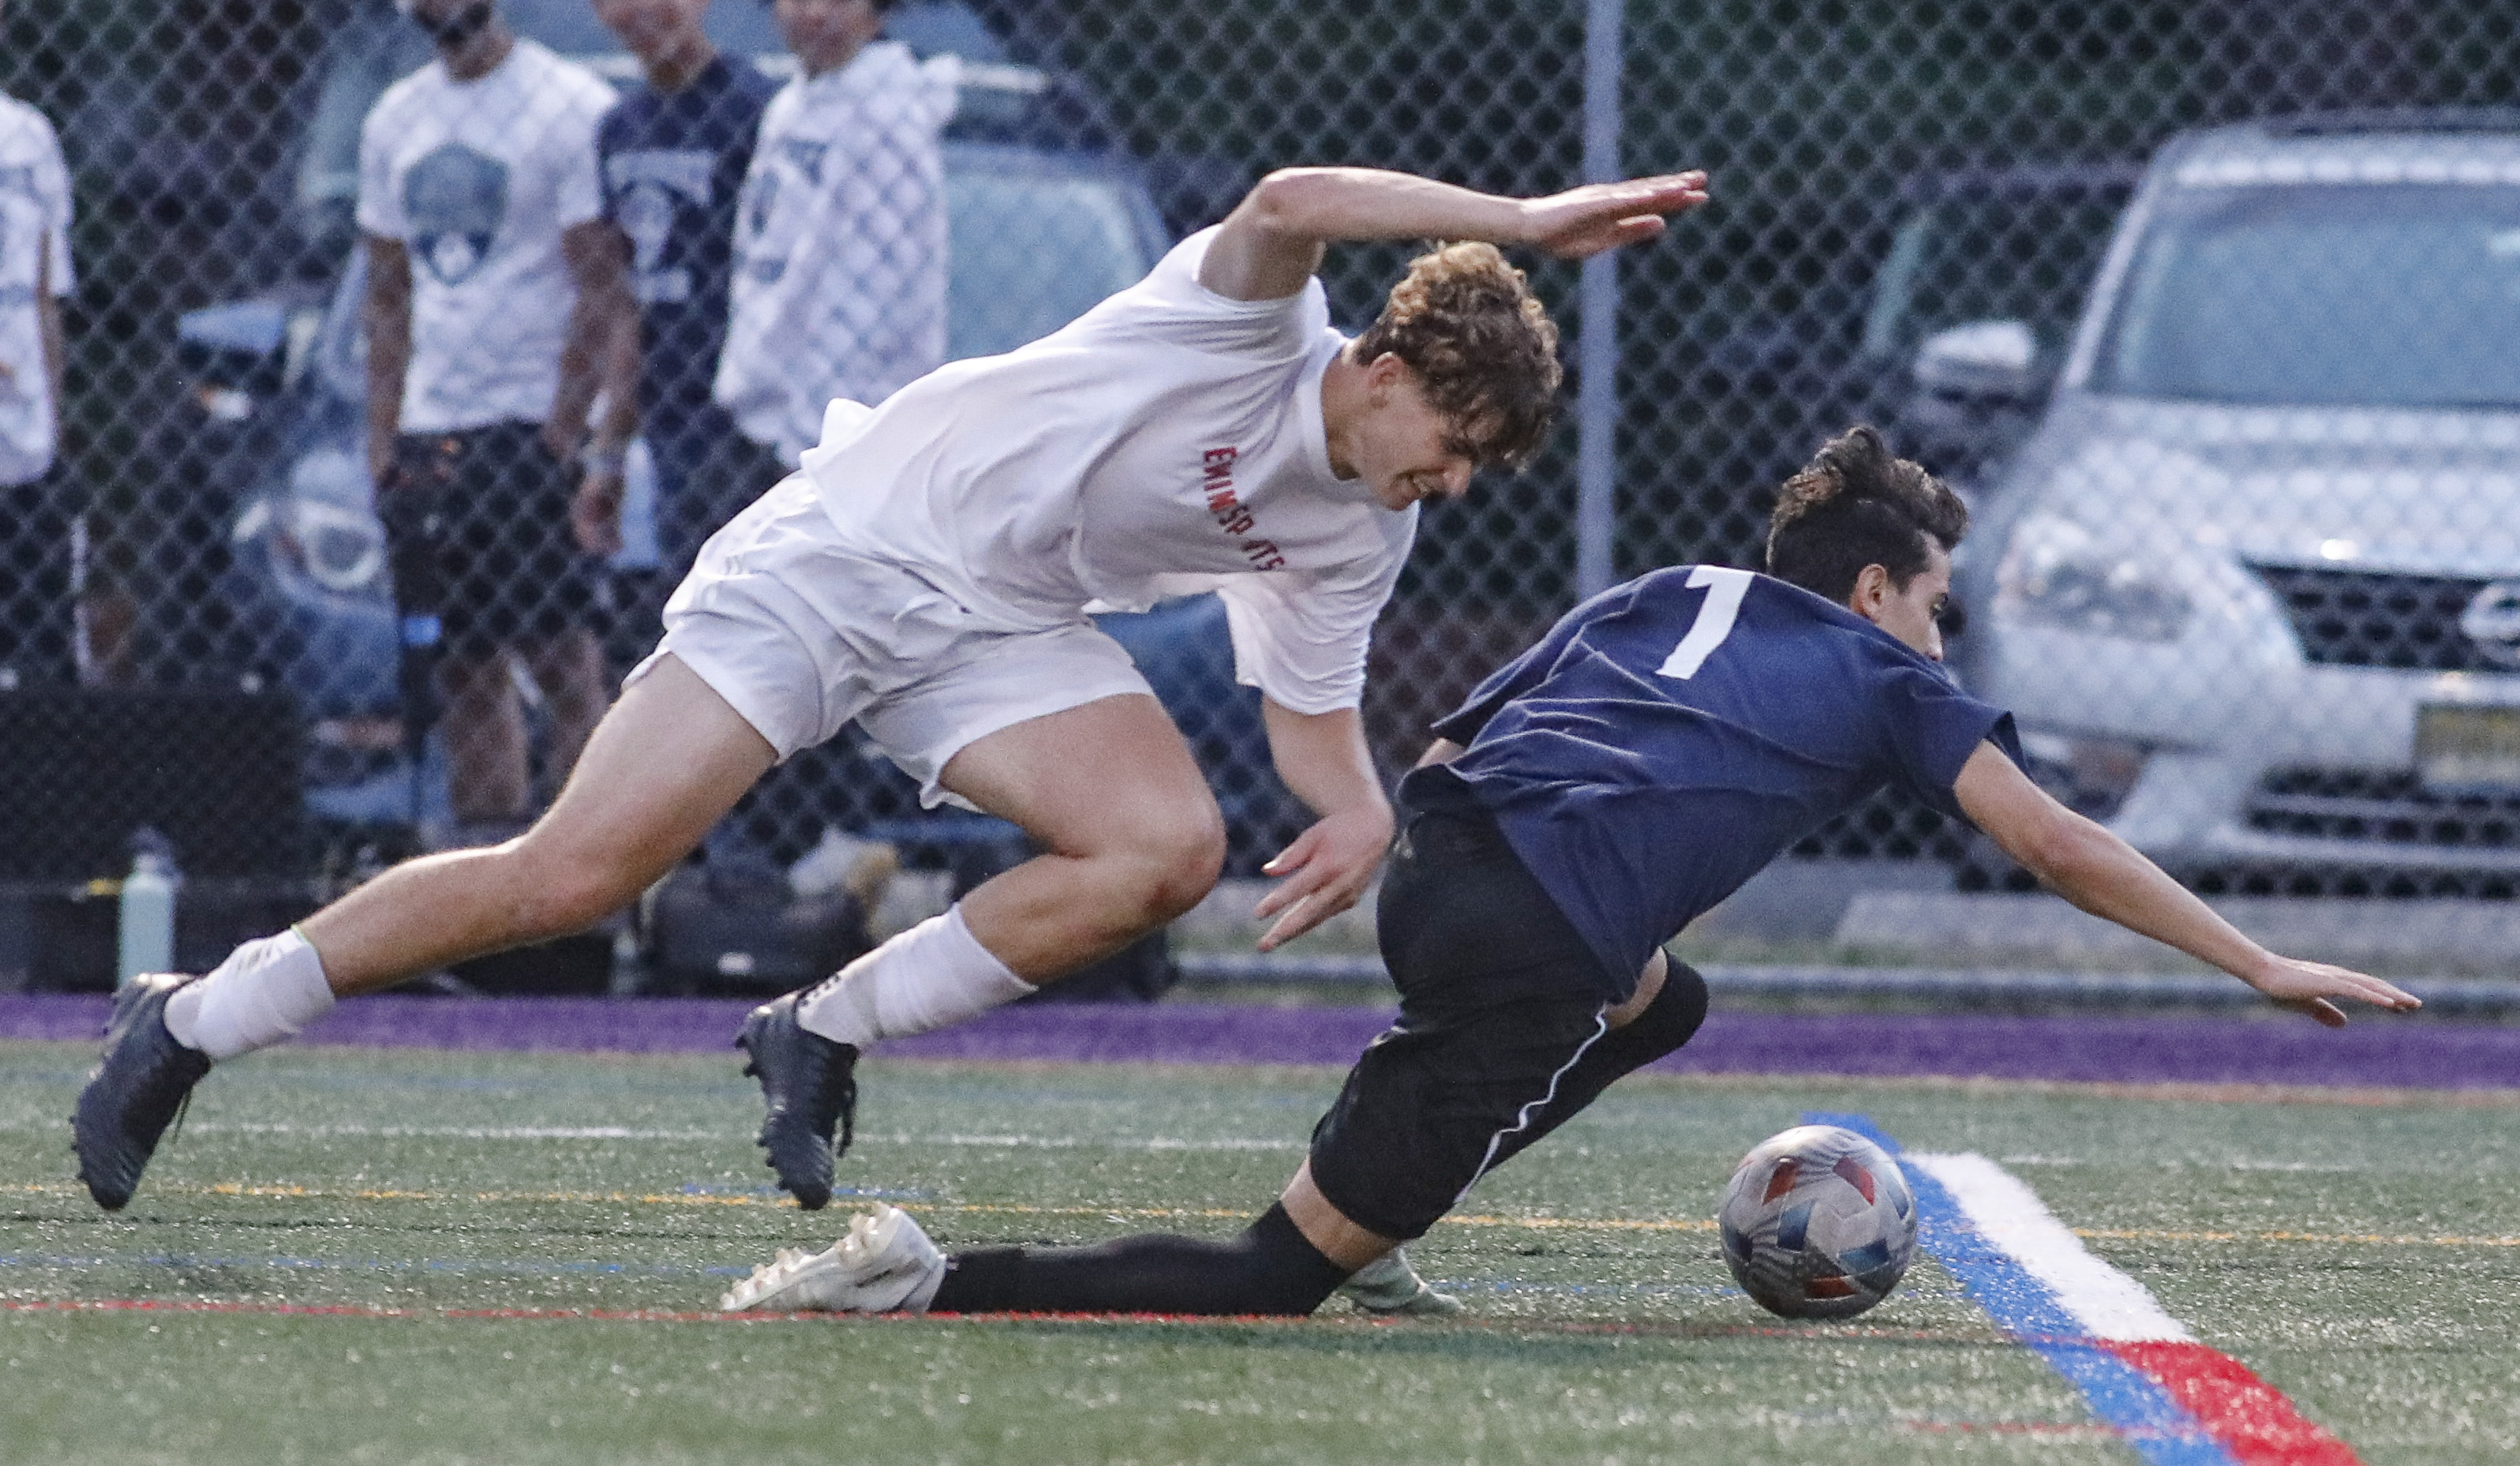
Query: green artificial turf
{"points": [[2358, 1257]]}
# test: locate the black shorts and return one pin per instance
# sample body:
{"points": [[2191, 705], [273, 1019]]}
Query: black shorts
{"points": [[36, 618], [478, 530], [1499, 997]]}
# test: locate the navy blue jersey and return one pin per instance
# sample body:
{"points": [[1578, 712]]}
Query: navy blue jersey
{"points": [[1674, 734], [673, 168]]}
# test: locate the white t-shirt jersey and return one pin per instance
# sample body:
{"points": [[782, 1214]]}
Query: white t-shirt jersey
{"points": [[840, 245], [478, 179], [1168, 441], [34, 256]]}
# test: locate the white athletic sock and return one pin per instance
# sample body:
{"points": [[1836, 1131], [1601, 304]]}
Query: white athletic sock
{"points": [[932, 975], [263, 993]]}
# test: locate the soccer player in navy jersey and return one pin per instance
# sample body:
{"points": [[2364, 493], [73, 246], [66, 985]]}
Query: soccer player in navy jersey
{"points": [[1666, 740]]}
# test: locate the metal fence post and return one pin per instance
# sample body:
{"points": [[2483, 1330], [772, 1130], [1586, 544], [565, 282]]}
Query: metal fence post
{"points": [[1597, 407]]}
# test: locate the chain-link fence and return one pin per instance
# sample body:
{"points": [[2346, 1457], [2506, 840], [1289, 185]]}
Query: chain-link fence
{"points": [[2242, 433]]}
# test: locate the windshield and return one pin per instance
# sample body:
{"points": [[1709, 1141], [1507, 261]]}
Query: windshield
{"points": [[1992, 254], [1033, 248], [2371, 295]]}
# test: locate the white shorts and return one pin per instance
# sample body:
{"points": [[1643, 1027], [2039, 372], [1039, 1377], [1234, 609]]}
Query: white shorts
{"points": [[800, 634]]}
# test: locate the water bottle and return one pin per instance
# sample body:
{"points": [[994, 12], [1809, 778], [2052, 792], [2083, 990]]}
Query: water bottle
{"points": [[148, 916]]}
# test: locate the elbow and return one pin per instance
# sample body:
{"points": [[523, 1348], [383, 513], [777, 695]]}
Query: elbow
{"points": [[2061, 849], [1283, 201]]}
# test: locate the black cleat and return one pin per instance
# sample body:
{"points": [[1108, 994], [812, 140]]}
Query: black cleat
{"points": [[136, 1088], [811, 1084]]}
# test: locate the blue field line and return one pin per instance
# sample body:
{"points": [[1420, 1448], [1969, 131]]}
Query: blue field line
{"points": [[518, 1267], [2130, 1401]]}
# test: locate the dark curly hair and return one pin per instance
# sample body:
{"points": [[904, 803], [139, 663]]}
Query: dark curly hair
{"points": [[1854, 504], [1483, 347]]}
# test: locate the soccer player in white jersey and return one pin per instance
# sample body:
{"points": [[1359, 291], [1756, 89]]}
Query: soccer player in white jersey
{"points": [[928, 575], [34, 276]]}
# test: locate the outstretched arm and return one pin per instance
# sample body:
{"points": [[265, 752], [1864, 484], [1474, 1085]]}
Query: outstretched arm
{"points": [[1272, 242], [1324, 760], [2106, 876]]}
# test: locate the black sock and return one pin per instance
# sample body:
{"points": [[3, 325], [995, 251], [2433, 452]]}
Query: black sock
{"points": [[1666, 1022], [1270, 1268]]}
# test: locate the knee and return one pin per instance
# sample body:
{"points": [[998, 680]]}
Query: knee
{"points": [[1179, 863], [1673, 1017], [1156, 869]]}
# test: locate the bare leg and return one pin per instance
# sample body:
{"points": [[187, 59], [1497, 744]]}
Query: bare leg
{"points": [[1130, 839], [663, 766], [1327, 1227], [570, 671], [1131, 836], [485, 739]]}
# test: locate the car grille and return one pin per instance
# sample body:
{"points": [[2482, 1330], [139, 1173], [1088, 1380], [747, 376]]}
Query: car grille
{"points": [[2385, 808], [2347, 617]]}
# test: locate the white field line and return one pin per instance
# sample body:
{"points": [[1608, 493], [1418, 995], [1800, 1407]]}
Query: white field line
{"points": [[625, 1132], [2010, 1215]]}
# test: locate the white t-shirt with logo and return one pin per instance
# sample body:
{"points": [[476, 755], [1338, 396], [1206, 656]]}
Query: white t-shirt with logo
{"points": [[478, 179], [1168, 441], [34, 257], [840, 245]]}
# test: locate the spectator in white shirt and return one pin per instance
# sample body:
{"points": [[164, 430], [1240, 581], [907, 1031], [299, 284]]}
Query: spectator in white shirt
{"points": [[36, 616], [496, 300], [841, 250]]}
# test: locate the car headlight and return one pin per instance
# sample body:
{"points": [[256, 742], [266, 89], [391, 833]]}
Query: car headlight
{"points": [[2057, 572], [342, 549], [322, 525]]}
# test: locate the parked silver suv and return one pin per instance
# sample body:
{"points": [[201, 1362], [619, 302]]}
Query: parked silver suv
{"points": [[2253, 587]]}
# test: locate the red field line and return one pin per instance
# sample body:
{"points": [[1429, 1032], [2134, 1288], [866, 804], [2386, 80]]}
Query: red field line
{"points": [[2251, 1418], [671, 1315]]}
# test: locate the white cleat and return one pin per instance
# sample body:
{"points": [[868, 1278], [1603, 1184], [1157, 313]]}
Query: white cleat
{"points": [[1389, 1286], [885, 1264]]}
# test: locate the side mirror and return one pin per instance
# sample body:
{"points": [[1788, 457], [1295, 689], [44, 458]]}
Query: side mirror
{"points": [[1983, 361], [235, 354]]}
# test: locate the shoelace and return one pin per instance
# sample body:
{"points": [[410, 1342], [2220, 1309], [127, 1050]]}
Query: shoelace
{"points": [[183, 1106]]}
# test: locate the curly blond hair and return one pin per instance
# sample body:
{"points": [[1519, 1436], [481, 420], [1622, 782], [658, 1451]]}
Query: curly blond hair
{"points": [[1482, 346]]}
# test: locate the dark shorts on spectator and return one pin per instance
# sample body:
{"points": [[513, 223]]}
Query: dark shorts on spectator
{"points": [[492, 506]]}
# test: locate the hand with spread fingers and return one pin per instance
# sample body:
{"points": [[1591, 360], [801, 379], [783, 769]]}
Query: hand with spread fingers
{"points": [[1585, 221], [1327, 870]]}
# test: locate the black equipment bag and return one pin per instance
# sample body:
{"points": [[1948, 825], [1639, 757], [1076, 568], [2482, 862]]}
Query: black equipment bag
{"points": [[735, 926]]}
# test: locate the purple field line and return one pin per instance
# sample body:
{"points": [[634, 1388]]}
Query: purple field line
{"points": [[2375, 1052]]}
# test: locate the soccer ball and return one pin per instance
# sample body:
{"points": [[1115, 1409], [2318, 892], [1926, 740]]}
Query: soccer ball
{"points": [[1817, 1223]]}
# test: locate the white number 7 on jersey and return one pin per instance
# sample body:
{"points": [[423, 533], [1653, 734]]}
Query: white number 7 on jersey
{"points": [[1723, 592]]}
